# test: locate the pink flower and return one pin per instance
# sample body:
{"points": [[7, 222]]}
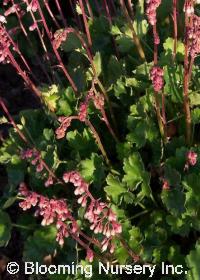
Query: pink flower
{"points": [[33, 26], [90, 255], [152, 6], [194, 36], [165, 185], [51, 210], [40, 167], [49, 181], [105, 245], [83, 111], [156, 76], [12, 10], [188, 8], [61, 130], [191, 158], [33, 6], [2, 19]]}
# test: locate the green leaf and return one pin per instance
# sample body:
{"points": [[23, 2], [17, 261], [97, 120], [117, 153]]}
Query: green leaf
{"points": [[98, 63], [194, 98], [72, 42], [114, 70], [174, 200], [3, 120], [5, 228], [115, 30], [179, 226], [42, 243], [64, 108], [136, 175], [133, 168], [169, 45], [191, 182], [195, 115], [121, 255], [193, 260], [15, 174], [172, 176], [92, 170], [48, 134], [115, 188]]}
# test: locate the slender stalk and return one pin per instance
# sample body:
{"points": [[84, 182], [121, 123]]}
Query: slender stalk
{"points": [[186, 102], [100, 145], [155, 53], [5, 109], [135, 257], [175, 28], [164, 120], [105, 119], [89, 8], [51, 14], [22, 226], [61, 13], [97, 6], [130, 7], [86, 24], [23, 74], [55, 50], [107, 10], [190, 68], [161, 120], [103, 90], [31, 45], [134, 35], [112, 4]]}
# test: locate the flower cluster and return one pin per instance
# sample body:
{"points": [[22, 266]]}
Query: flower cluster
{"points": [[4, 46], [61, 130], [152, 6], [51, 211], [191, 158], [194, 36], [156, 76], [98, 101], [83, 111], [102, 219], [36, 160], [188, 7], [33, 6]]}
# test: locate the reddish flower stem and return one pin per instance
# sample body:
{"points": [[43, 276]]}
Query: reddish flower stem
{"points": [[89, 8], [55, 50], [31, 45], [77, 18], [186, 85], [86, 24], [51, 14], [107, 10], [97, 6], [100, 145], [23, 74], [5, 109], [134, 35], [61, 13], [155, 53], [161, 122], [129, 4]]}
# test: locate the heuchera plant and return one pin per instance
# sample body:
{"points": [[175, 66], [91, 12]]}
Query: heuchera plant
{"points": [[109, 162]]}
